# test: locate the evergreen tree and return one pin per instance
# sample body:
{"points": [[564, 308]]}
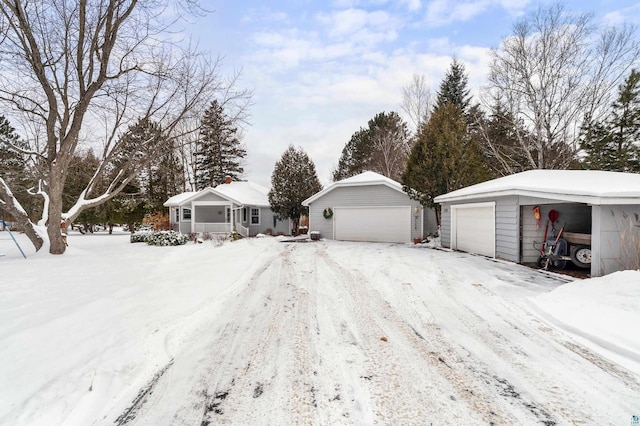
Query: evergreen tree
{"points": [[355, 156], [499, 134], [614, 143], [383, 147], [15, 168], [454, 88], [443, 159], [293, 180], [220, 152]]}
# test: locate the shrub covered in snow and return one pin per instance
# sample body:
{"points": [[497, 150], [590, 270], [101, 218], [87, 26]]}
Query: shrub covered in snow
{"points": [[166, 238], [140, 236], [160, 238]]}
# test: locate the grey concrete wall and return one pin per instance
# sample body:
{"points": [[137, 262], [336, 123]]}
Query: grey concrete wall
{"points": [[615, 239]]}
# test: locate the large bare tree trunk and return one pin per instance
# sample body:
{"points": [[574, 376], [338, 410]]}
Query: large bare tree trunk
{"points": [[54, 219]]}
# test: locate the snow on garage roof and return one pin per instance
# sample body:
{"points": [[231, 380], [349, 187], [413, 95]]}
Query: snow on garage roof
{"points": [[583, 186], [364, 178]]}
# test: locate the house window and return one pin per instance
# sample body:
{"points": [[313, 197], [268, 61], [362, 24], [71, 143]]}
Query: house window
{"points": [[186, 214], [244, 215], [255, 216], [227, 213], [177, 214]]}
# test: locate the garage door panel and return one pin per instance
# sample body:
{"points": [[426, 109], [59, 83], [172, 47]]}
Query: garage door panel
{"points": [[475, 229], [376, 224]]}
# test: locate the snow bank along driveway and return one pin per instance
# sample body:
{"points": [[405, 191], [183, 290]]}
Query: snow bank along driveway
{"points": [[263, 332]]}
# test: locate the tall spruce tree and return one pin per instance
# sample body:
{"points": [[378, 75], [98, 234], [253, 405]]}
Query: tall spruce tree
{"points": [[454, 88], [293, 180], [614, 144], [443, 159], [220, 152]]}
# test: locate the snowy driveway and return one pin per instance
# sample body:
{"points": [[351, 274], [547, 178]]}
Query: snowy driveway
{"points": [[263, 332]]}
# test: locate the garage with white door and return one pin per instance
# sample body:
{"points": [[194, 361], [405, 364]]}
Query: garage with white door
{"points": [[473, 228], [368, 207], [390, 224]]}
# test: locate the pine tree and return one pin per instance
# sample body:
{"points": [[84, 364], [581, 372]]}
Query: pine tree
{"points": [[15, 168], [383, 147], [454, 88], [293, 180], [443, 159], [220, 152], [355, 156], [613, 144]]}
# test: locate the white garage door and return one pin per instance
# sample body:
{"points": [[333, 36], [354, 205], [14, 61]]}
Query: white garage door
{"points": [[473, 228], [377, 224]]}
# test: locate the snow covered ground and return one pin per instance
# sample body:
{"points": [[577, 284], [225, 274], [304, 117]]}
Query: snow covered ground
{"points": [[260, 331]]}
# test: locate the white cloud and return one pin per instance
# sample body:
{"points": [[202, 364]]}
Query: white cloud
{"points": [[444, 12], [412, 5], [629, 15], [360, 26]]}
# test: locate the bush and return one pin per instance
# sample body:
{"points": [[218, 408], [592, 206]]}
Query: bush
{"points": [[161, 238], [166, 238], [140, 236]]}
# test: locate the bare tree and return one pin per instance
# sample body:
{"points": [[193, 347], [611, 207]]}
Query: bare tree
{"points": [[554, 70], [390, 145], [417, 101], [76, 70]]}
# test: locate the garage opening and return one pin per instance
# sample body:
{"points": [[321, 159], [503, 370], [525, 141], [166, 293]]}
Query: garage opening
{"points": [[576, 219]]}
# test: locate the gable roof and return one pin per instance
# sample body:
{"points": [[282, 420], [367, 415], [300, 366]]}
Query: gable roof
{"points": [[363, 179], [178, 199], [584, 186], [240, 193], [244, 193]]}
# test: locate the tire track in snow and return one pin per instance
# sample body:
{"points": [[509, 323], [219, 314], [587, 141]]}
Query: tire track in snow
{"points": [[188, 408], [393, 367]]}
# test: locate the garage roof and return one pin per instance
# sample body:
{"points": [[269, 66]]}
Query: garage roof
{"points": [[582, 186], [363, 179]]}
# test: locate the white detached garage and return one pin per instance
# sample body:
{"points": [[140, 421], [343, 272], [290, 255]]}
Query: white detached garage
{"points": [[368, 207]]}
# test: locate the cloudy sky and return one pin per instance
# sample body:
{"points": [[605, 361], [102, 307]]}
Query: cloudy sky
{"points": [[321, 69]]}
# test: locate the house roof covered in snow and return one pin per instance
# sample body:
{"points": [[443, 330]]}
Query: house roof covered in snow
{"points": [[582, 186], [176, 200], [239, 193], [363, 179], [244, 193]]}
